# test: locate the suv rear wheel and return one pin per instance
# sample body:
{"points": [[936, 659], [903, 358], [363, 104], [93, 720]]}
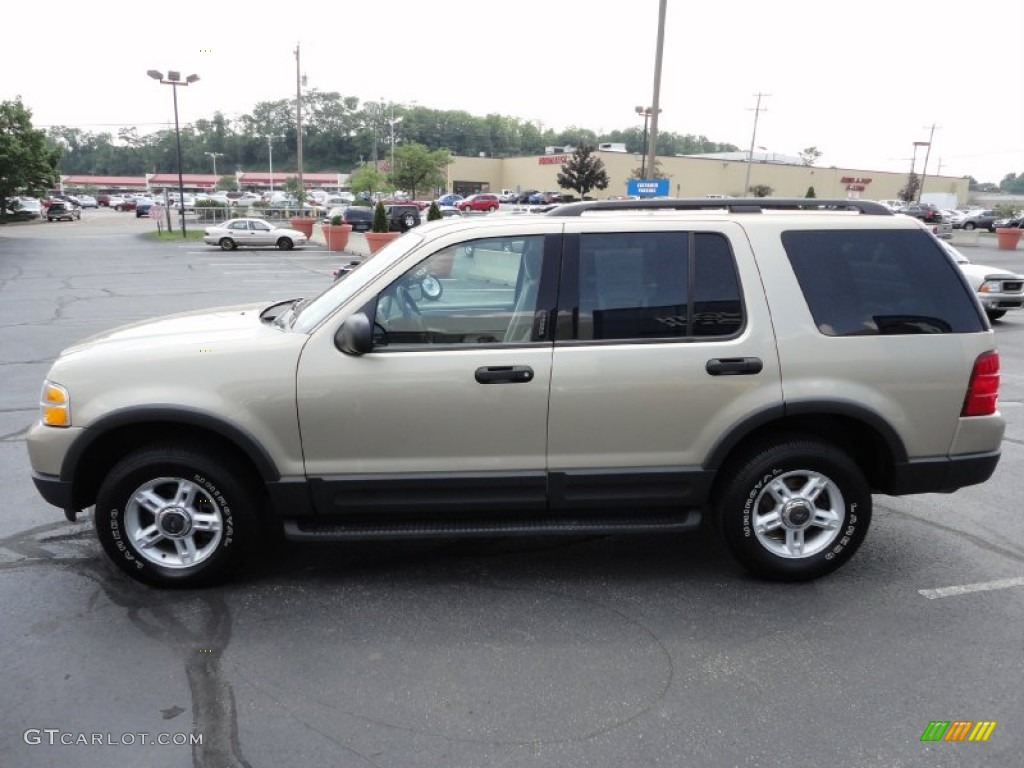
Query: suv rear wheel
{"points": [[170, 515], [793, 509]]}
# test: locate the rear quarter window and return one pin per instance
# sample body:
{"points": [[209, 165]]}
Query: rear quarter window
{"points": [[880, 282]]}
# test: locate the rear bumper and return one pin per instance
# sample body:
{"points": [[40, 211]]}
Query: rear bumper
{"points": [[942, 475]]}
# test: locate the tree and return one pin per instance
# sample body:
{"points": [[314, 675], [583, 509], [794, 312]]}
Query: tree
{"points": [[909, 192], [647, 173], [292, 187], [418, 168], [365, 178], [810, 192], [27, 162], [810, 155], [583, 171], [226, 183]]}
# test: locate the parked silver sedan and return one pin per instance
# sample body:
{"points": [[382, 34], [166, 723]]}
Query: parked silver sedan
{"points": [[234, 233]]}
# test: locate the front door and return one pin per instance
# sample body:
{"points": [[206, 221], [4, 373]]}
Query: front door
{"points": [[448, 413]]}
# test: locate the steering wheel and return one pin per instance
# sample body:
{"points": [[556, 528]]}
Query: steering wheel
{"points": [[398, 302], [408, 304]]}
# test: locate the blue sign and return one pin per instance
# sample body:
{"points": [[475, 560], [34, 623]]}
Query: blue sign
{"points": [[647, 187]]}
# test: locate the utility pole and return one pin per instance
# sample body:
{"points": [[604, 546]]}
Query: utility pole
{"points": [[753, 138], [652, 147], [924, 171]]}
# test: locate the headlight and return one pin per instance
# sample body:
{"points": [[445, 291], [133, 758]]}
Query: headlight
{"points": [[55, 404], [989, 286]]}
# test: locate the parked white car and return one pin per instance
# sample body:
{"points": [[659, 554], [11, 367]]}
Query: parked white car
{"points": [[234, 233], [999, 291]]}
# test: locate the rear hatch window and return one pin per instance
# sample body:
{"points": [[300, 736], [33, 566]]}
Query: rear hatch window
{"points": [[880, 282]]}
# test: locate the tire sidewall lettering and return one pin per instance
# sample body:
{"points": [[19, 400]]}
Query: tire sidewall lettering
{"points": [[748, 504]]}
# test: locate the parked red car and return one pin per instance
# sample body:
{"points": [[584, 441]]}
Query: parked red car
{"points": [[483, 201]]}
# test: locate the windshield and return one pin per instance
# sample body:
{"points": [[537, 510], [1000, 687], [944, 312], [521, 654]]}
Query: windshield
{"points": [[309, 313]]}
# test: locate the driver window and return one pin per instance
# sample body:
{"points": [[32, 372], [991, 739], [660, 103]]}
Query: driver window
{"points": [[478, 292]]}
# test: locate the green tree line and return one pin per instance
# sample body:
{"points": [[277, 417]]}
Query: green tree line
{"points": [[339, 133]]}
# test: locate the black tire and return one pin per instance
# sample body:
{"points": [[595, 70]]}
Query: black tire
{"points": [[285, 244], [227, 244], [492, 209], [409, 221], [995, 314], [969, 226], [215, 489], [750, 499]]}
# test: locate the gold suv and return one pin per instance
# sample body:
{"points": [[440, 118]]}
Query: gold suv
{"points": [[628, 366]]}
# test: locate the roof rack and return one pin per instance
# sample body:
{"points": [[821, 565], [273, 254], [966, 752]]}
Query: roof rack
{"points": [[732, 204]]}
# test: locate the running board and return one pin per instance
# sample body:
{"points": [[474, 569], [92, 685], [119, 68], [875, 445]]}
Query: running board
{"points": [[308, 530]]}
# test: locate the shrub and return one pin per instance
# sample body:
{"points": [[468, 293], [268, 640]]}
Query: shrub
{"points": [[337, 220], [433, 213], [380, 218]]}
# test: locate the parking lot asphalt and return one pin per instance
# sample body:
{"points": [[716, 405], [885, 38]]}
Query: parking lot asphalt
{"points": [[597, 651]]}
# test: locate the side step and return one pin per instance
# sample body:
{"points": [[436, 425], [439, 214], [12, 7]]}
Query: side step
{"points": [[311, 530]]}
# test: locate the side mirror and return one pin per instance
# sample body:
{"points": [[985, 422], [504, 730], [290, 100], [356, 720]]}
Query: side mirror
{"points": [[355, 336]]}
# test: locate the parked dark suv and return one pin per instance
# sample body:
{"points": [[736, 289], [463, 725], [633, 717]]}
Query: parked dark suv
{"points": [[360, 217], [62, 209], [923, 211], [403, 217]]}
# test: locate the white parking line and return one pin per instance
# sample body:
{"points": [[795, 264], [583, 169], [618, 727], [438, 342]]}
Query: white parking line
{"points": [[963, 589]]}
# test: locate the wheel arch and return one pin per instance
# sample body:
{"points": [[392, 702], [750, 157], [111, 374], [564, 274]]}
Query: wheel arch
{"points": [[104, 443], [871, 442]]}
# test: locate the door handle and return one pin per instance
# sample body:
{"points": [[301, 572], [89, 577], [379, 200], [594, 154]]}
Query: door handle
{"points": [[734, 366], [504, 374]]}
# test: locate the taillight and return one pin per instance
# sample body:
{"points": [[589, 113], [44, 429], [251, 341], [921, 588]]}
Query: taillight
{"points": [[983, 389]]}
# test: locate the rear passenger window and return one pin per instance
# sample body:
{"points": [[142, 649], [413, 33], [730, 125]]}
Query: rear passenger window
{"points": [[879, 282], [657, 285]]}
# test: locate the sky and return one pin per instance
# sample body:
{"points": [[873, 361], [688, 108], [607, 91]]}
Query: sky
{"points": [[860, 81]]}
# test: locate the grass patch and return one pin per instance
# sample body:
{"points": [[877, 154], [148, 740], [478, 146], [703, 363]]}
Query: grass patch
{"points": [[190, 234]]}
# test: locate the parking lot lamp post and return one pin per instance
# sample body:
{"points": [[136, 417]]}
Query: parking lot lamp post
{"points": [[394, 121], [645, 112], [214, 156], [174, 80], [270, 155]]}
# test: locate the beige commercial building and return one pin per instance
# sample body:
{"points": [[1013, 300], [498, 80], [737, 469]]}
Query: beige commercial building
{"points": [[694, 177]]}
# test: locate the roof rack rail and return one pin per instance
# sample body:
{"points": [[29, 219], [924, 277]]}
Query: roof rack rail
{"points": [[733, 204]]}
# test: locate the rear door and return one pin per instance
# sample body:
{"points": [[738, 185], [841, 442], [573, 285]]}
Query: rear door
{"points": [[664, 345]]}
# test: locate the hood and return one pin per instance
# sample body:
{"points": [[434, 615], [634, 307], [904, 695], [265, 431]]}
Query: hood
{"points": [[207, 325], [977, 274]]}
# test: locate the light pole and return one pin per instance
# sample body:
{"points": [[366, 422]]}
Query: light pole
{"points": [[298, 124], [270, 156], [753, 138], [174, 80], [394, 121], [214, 155], [646, 113]]}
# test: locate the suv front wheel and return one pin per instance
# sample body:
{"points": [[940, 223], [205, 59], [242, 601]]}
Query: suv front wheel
{"points": [[173, 516], [794, 509]]}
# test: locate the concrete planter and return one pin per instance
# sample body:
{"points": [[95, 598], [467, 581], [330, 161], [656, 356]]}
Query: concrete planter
{"points": [[336, 235], [304, 225], [1007, 238], [377, 240]]}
